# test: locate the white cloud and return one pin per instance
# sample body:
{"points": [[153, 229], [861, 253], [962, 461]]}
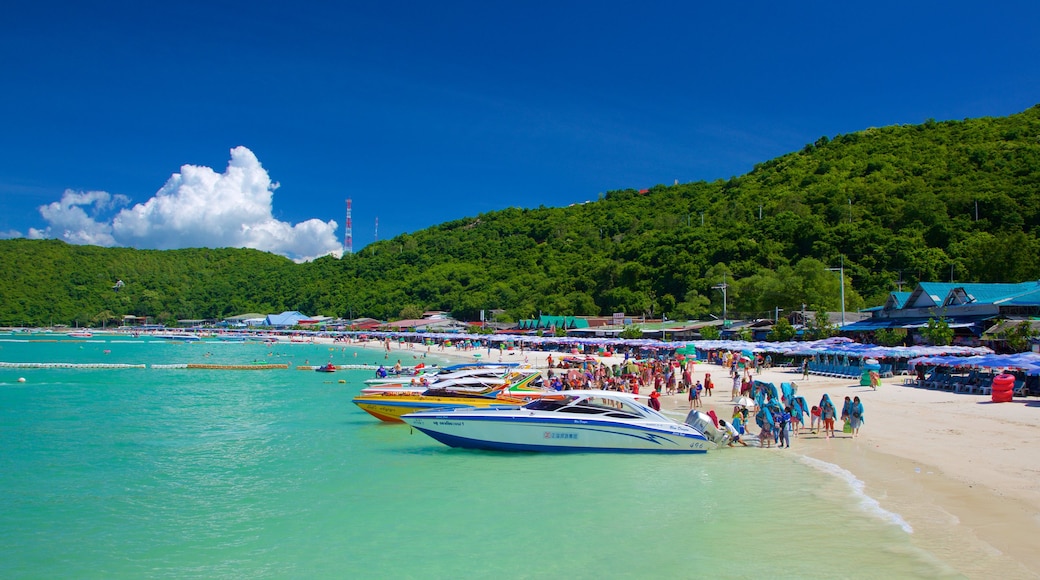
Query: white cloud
{"points": [[10, 234], [197, 207], [68, 217]]}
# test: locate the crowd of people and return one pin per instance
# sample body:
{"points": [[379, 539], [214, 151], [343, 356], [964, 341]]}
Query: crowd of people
{"points": [[778, 416]]}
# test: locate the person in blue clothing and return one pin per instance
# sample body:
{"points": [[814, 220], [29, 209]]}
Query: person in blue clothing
{"points": [[827, 414], [856, 416], [785, 428]]}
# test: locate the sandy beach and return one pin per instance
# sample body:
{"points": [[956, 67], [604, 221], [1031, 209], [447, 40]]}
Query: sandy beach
{"points": [[959, 472]]}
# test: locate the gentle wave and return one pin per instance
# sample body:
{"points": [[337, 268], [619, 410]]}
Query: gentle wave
{"points": [[866, 503]]}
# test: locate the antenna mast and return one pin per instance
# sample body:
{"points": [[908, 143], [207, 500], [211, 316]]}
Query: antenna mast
{"points": [[377, 228], [348, 233]]}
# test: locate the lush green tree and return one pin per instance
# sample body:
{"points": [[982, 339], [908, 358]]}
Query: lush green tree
{"points": [[631, 331], [710, 332], [410, 312], [782, 331], [938, 331], [819, 326], [1017, 336], [929, 202], [890, 336]]}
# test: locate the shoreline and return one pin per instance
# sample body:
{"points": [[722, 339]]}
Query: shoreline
{"points": [[961, 472]]}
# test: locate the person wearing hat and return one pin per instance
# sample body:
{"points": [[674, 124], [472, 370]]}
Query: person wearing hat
{"points": [[655, 402]]}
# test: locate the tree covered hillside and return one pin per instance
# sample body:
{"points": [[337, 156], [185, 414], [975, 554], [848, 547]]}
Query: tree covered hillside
{"points": [[909, 203]]}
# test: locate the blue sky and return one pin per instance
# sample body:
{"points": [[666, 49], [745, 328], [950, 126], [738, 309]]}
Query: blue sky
{"points": [[428, 112]]}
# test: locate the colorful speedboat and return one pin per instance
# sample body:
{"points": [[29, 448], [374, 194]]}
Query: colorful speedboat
{"points": [[572, 421], [463, 381], [390, 406]]}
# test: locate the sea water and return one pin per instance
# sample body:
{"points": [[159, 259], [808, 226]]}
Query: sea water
{"points": [[274, 473]]}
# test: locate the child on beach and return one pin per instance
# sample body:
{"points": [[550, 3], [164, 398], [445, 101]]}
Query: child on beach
{"points": [[828, 413], [814, 419]]}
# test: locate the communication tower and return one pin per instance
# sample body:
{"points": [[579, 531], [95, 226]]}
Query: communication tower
{"points": [[348, 233], [377, 228]]}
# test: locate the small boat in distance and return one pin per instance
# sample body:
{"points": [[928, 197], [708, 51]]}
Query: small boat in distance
{"points": [[326, 368], [182, 336], [81, 334], [568, 421]]}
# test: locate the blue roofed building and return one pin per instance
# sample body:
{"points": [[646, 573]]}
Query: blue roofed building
{"points": [[969, 308], [285, 319]]}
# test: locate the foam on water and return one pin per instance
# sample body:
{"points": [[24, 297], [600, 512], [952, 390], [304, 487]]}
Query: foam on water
{"points": [[856, 485]]}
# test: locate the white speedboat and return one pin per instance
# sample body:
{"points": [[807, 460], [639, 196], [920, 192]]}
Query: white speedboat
{"points": [[582, 421], [471, 383]]}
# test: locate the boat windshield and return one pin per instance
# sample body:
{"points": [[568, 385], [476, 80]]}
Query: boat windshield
{"points": [[588, 405]]}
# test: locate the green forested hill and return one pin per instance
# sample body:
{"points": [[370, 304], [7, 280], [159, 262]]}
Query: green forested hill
{"points": [[909, 203]]}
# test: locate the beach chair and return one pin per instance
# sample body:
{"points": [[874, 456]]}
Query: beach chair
{"points": [[1020, 388]]}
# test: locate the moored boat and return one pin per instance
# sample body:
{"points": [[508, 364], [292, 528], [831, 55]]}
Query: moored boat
{"points": [[390, 406], [567, 421]]}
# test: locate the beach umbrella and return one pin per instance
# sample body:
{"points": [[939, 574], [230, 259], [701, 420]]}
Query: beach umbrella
{"points": [[743, 401]]}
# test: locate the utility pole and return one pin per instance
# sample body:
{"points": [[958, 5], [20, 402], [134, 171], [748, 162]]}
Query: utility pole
{"points": [[841, 273], [722, 287]]}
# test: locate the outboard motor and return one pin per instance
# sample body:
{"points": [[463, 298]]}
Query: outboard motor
{"points": [[703, 423]]}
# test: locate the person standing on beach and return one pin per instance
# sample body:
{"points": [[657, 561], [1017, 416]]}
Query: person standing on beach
{"points": [[805, 368], [827, 413], [785, 428], [814, 419], [708, 385], [695, 395], [736, 385], [764, 419], [846, 409], [856, 416]]}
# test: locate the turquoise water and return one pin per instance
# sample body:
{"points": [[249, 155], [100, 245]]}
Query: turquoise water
{"points": [[273, 474]]}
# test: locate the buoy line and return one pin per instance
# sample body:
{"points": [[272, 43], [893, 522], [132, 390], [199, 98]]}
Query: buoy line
{"points": [[62, 365]]}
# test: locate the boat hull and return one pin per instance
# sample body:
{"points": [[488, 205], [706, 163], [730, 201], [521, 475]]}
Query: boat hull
{"points": [[391, 407], [512, 433]]}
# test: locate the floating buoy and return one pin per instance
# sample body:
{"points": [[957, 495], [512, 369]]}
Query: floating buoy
{"points": [[342, 382], [21, 379]]}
